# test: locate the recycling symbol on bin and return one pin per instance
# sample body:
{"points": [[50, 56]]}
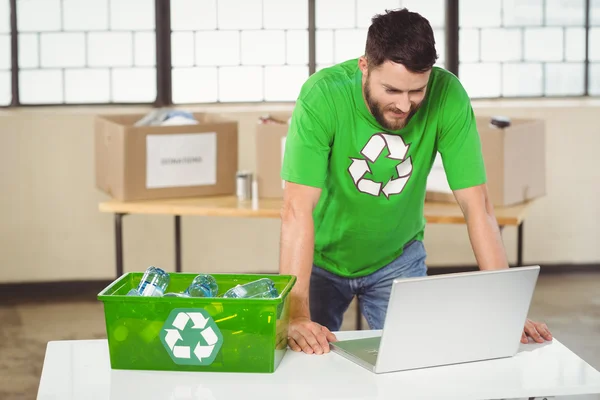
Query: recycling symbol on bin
{"points": [[191, 336], [397, 150]]}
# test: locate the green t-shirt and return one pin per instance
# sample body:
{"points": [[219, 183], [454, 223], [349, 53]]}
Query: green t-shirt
{"points": [[373, 181]]}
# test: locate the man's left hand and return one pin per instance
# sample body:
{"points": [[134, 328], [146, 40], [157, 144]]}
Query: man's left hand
{"points": [[538, 331]]}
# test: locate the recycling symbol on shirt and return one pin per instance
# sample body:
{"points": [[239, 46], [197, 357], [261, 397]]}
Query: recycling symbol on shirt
{"points": [[371, 151], [191, 337]]}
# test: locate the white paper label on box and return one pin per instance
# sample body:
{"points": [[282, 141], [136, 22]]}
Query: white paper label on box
{"points": [[437, 181], [282, 155], [181, 160]]}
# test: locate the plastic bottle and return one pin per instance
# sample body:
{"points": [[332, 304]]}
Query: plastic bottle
{"points": [[202, 286], [262, 288], [153, 283]]}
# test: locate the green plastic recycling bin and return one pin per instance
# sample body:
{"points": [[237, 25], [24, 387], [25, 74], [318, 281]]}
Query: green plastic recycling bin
{"points": [[196, 334]]}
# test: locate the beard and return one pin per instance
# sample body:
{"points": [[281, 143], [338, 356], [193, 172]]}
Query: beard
{"points": [[378, 111]]}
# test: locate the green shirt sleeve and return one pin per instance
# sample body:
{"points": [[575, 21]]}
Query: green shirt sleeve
{"points": [[458, 139], [309, 139]]}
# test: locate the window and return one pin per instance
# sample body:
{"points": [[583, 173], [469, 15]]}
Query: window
{"points": [[5, 55], [342, 25], [522, 47], [92, 51], [105, 51], [238, 51]]}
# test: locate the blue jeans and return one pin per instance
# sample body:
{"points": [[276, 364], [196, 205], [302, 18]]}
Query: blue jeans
{"points": [[330, 294]]}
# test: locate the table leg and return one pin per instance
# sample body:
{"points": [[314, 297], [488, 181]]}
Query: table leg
{"points": [[119, 242], [520, 245], [178, 243]]}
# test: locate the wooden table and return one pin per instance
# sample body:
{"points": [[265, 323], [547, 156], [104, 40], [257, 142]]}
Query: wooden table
{"points": [[230, 206]]}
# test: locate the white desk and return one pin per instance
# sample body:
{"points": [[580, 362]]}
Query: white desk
{"points": [[81, 370]]}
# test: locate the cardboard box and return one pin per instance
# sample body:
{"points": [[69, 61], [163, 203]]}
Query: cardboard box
{"points": [[515, 162], [270, 146], [152, 162]]}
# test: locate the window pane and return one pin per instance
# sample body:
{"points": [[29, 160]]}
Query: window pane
{"points": [[522, 79], [241, 84], [468, 43], [145, 49], [5, 52], [132, 15], [87, 86], [349, 43], [324, 44], [110, 49], [4, 16], [342, 25], [53, 52], [263, 47], [195, 85], [41, 86], [133, 85], [89, 15], [297, 47], [564, 79], [565, 12], [595, 44], [522, 12], [218, 48], [575, 44], [284, 83], [481, 80], [477, 13], [247, 14], [5, 88], [29, 52], [595, 12], [288, 14], [552, 39], [367, 9], [501, 44], [335, 14], [77, 61], [38, 15], [193, 14], [256, 35], [594, 87], [182, 49]]}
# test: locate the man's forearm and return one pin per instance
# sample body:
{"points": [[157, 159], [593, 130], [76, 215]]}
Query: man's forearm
{"points": [[296, 258], [486, 240]]}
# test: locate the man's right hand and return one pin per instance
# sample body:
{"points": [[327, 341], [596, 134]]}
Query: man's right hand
{"points": [[308, 336]]}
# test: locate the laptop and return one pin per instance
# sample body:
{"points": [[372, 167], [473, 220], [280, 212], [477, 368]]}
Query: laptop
{"points": [[448, 319]]}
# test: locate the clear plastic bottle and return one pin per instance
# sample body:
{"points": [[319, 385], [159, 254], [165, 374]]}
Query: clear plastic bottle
{"points": [[153, 284], [262, 288], [202, 286]]}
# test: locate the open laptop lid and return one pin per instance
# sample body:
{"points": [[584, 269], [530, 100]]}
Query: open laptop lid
{"points": [[452, 318]]}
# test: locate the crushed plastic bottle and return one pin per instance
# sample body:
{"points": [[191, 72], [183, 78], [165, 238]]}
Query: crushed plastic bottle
{"points": [[154, 282], [202, 286], [262, 288]]}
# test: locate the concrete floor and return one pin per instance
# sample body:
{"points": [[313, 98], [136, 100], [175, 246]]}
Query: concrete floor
{"points": [[568, 303]]}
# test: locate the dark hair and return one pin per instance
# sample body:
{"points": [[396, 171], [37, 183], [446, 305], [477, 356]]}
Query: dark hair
{"points": [[403, 37]]}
